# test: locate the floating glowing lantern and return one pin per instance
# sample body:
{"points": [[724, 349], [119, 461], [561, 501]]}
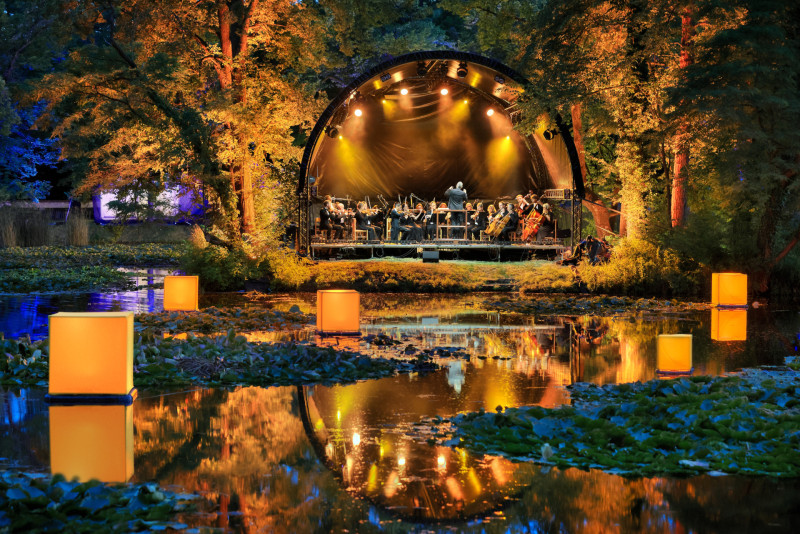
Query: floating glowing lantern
{"points": [[338, 311], [728, 325], [92, 442], [180, 293], [674, 354], [729, 289], [91, 354]]}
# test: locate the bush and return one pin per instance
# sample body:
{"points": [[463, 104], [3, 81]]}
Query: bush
{"points": [[220, 268], [77, 230], [33, 228], [642, 268], [548, 278]]}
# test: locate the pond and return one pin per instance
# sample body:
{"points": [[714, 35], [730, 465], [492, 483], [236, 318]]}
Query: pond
{"points": [[351, 457]]}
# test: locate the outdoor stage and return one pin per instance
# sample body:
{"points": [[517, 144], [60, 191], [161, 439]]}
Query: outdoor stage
{"points": [[447, 250]]}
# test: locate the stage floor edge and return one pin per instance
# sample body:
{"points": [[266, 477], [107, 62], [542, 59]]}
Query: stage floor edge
{"points": [[495, 249]]}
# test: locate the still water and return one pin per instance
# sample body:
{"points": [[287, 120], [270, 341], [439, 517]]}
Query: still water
{"points": [[350, 457]]}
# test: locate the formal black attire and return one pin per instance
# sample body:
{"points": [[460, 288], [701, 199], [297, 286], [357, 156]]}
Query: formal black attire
{"points": [[510, 227], [479, 225], [546, 228], [398, 230], [362, 223], [455, 201], [327, 223]]}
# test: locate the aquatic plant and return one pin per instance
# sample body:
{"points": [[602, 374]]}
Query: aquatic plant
{"points": [[89, 278], [214, 319], [33, 502], [145, 255], [748, 424]]}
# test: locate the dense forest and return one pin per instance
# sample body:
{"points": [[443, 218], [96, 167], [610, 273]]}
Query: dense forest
{"points": [[684, 113]]}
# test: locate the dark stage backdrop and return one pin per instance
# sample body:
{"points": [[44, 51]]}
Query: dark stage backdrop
{"points": [[423, 144]]}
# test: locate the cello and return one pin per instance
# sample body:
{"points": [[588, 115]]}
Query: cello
{"points": [[532, 224]]}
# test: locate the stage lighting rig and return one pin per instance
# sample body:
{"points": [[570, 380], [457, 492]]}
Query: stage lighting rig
{"points": [[461, 72], [385, 77], [332, 131], [550, 134]]}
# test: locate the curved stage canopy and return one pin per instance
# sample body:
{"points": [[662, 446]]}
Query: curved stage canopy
{"points": [[421, 122]]}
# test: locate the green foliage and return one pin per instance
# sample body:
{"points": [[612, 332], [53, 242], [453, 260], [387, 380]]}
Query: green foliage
{"points": [[88, 278], [744, 425], [548, 278], [220, 268], [147, 255], [642, 268], [35, 503], [209, 320]]}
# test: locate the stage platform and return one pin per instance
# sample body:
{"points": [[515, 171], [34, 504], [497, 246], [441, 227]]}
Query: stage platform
{"points": [[447, 249]]}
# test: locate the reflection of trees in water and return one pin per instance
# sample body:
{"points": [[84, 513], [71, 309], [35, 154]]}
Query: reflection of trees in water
{"points": [[23, 428], [246, 451]]}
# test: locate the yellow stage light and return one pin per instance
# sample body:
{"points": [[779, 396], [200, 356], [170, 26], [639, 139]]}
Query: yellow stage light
{"points": [[358, 112], [729, 289], [180, 293], [466, 101], [92, 442], [338, 311], [91, 353], [490, 112], [340, 138], [674, 354], [728, 325], [404, 91], [443, 92]]}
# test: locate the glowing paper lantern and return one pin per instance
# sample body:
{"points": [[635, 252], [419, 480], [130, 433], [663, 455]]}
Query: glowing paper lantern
{"points": [[338, 311], [729, 289], [728, 325], [91, 353], [92, 442], [674, 354], [180, 293]]}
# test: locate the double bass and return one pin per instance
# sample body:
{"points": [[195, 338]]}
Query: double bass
{"points": [[532, 224]]}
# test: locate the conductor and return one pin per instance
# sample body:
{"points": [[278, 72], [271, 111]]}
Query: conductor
{"points": [[455, 201]]}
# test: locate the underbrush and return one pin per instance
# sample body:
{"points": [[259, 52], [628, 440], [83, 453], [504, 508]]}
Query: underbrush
{"points": [[87, 278], [145, 255]]}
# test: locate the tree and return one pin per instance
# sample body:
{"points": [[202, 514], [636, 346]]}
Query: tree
{"points": [[210, 90]]}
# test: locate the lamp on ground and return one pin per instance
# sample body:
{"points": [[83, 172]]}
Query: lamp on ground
{"points": [[92, 442], [91, 357], [729, 289], [338, 311], [728, 325], [674, 354], [180, 293]]}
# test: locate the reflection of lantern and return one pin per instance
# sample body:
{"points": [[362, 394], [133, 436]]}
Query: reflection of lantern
{"points": [[91, 353], [338, 311], [92, 442], [674, 354], [180, 293], [728, 325], [729, 289]]}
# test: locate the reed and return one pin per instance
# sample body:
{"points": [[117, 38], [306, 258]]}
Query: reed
{"points": [[33, 228], [8, 228], [77, 229]]}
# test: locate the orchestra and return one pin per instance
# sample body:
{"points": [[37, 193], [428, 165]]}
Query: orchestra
{"points": [[529, 219]]}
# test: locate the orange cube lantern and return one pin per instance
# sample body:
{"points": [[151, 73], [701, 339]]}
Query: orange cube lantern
{"points": [[674, 354], [728, 325], [728, 289], [91, 353], [338, 311], [180, 293], [92, 442]]}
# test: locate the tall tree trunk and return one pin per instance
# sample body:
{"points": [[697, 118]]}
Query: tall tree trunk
{"points": [[681, 171], [601, 215]]}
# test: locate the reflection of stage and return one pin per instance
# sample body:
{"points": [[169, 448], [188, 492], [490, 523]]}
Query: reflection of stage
{"points": [[447, 249]]}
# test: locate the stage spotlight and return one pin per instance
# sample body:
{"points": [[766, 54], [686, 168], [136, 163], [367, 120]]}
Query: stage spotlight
{"points": [[550, 134], [340, 138], [385, 77], [499, 79], [466, 101], [403, 91], [444, 92], [489, 112], [461, 72], [358, 112], [332, 131]]}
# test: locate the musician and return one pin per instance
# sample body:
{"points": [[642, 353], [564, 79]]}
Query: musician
{"points": [[398, 230], [538, 204], [511, 225], [376, 218], [418, 222], [326, 221], [480, 220], [455, 201], [547, 227], [362, 221], [430, 221], [523, 207]]}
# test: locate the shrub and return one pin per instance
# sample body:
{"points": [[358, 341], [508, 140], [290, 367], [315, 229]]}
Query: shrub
{"points": [[640, 267], [548, 278], [220, 268], [33, 228], [77, 230]]}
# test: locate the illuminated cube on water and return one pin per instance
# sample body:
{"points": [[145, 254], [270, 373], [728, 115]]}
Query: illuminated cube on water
{"points": [[728, 325], [674, 354], [92, 442], [91, 353], [728, 289], [338, 311], [180, 293]]}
